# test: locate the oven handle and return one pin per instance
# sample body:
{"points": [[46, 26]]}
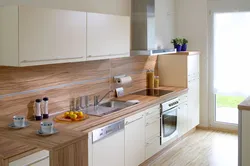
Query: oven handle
{"points": [[170, 110]]}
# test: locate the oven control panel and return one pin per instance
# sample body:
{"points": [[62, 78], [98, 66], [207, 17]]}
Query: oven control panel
{"points": [[170, 104]]}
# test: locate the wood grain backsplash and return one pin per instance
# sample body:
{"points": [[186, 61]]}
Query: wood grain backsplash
{"points": [[19, 87]]}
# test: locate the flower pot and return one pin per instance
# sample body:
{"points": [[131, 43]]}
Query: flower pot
{"points": [[178, 47], [184, 47]]}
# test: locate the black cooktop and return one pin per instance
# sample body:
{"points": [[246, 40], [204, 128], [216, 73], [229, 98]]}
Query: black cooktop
{"points": [[152, 92]]}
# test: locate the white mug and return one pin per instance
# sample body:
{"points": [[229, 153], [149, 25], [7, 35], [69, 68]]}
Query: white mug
{"points": [[47, 127], [19, 121]]}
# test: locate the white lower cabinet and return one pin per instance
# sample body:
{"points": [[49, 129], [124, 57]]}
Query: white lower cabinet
{"points": [[109, 151], [135, 140], [40, 158], [152, 146], [193, 103], [182, 119], [152, 131]]}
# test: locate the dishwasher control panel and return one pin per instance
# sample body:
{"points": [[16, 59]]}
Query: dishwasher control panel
{"points": [[105, 131]]}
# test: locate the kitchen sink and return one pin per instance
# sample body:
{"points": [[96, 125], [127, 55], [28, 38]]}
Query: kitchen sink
{"points": [[116, 104], [107, 108]]}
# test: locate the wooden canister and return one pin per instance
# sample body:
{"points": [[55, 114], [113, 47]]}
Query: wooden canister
{"points": [[150, 79]]}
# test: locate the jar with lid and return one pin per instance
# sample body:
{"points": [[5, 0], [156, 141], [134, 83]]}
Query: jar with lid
{"points": [[150, 79], [157, 82]]}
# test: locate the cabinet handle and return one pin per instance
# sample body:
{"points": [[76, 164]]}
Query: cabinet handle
{"points": [[127, 123], [149, 113], [108, 55], [40, 60], [153, 121]]}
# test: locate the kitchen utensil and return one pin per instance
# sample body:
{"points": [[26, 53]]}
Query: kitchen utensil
{"points": [[45, 108], [38, 112]]}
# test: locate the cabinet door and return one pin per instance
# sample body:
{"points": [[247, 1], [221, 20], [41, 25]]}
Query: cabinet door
{"points": [[108, 36], [134, 140], [51, 36], [193, 103], [44, 162], [36, 159], [193, 66], [109, 151], [182, 121]]}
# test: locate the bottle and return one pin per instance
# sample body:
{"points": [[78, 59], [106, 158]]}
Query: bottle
{"points": [[38, 113], [157, 82], [45, 108], [150, 79]]}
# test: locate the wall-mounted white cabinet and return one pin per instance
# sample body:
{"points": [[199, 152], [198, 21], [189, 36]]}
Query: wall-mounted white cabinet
{"points": [[108, 36], [35, 36]]}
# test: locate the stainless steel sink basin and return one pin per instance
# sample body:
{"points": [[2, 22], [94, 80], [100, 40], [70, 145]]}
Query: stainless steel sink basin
{"points": [[116, 104], [107, 108]]}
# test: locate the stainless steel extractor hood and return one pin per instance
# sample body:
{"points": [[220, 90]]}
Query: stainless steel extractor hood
{"points": [[143, 29]]}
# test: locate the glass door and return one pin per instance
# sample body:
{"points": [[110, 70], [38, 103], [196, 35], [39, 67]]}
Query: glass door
{"points": [[229, 67]]}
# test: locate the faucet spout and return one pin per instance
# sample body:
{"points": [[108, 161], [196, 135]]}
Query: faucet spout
{"points": [[96, 98]]}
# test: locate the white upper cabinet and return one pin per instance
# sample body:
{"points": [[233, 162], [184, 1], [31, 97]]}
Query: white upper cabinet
{"points": [[36, 36], [108, 36], [50, 35]]}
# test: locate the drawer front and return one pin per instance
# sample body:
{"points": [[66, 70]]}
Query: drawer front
{"points": [[33, 159], [152, 111], [152, 147], [183, 98], [134, 118], [153, 128], [152, 117]]}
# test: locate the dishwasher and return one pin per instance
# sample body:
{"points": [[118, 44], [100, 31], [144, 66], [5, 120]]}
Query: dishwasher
{"points": [[108, 145]]}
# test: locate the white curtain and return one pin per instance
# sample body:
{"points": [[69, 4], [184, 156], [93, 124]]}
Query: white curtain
{"points": [[232, 53]]}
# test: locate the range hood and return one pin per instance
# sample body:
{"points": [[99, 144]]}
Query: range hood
{"points": [[143, 29]]}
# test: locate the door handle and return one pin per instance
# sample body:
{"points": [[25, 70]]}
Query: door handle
{"points": [[129, 122], [109, 55], [41, 60]]}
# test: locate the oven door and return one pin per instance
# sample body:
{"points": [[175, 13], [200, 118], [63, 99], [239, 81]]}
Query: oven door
{"points": [[169, 125]]}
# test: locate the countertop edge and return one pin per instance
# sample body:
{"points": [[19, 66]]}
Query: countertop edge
{"points": [[244, 105]]}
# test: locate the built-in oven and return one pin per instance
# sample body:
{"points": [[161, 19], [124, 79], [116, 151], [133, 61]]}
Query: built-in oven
{"points": [[169, 120]]}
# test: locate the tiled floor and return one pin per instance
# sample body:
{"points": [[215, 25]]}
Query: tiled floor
{"points": [[203, 148]]}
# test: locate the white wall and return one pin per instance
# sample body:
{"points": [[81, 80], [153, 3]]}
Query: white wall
{"points": [[165, 16], [192, 24], [229, 5], [119, 7]]}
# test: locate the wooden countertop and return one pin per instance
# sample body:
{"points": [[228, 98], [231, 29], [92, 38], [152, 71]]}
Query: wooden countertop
{"points": [[70, 132], [186, 53], [10, 148], [145, 102], [245, 105]]}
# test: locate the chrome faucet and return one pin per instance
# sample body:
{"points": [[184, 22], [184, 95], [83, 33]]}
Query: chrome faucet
{"points": [[96, 98]]}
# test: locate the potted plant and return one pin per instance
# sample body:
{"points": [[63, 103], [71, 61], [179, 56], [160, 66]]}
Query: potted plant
{"points": [[177, 44], [184, 44]]}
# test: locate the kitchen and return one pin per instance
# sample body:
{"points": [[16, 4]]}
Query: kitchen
{"points": [[38, 59]]}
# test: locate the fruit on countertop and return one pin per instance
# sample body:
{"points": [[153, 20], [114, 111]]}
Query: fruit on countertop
{"points": [[66, 115], [73, 115]]}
